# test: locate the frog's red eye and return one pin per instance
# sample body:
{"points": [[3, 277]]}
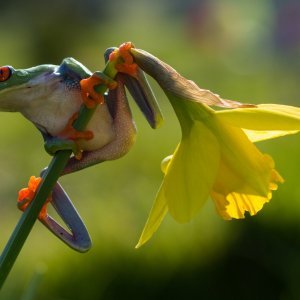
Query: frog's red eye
{"points": [[4, 73]]}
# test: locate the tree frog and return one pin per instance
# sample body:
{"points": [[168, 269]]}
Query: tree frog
{"points": [[49, 96]]}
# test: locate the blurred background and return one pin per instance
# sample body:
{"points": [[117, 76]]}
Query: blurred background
{"points": [[242, 50]]}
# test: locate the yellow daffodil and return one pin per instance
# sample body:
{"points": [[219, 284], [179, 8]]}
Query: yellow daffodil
{"points": [[216, 157]]}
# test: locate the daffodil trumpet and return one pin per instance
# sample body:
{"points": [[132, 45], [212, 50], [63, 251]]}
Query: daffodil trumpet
{"points": [[216, 157]]}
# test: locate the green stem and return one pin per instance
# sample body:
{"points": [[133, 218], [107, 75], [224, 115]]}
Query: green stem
{"points": [[50, 177]]}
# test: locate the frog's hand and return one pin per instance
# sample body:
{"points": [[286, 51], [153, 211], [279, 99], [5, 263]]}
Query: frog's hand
{"points": [[78, 238]]}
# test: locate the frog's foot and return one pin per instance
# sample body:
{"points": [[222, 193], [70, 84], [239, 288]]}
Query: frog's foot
{"points": [[77, 236], [66, 139], [26, 196], [125, 63], [89, 96]]}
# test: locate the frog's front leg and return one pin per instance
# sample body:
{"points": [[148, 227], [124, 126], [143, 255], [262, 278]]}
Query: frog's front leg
{"points": [[89, 96]]}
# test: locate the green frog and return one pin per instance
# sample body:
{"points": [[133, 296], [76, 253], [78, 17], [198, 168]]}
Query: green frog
{"points": [[49, 96]]}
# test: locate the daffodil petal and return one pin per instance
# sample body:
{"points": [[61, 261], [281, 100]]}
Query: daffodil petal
{"points": [[259, 135], [245, 199], [264, 117], [234, 205], [191, 172], [157, 214], [242, 164]]}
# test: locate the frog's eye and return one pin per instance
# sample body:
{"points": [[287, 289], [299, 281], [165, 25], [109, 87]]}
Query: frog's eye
{"points": [[5, 73]]}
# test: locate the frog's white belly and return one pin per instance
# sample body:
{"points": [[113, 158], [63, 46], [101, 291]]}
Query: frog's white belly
{"points": [[53, 111], [102, 127]]}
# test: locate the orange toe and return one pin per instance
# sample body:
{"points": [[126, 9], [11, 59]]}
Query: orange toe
{"points": [[127, 64], [69, 132], [26, 196], [89, 96]]}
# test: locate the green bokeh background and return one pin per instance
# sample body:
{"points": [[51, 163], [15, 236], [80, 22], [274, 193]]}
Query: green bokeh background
{"points": [[242, 50]]}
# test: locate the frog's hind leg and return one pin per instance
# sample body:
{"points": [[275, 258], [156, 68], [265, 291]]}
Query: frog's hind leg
{"points": [[77, 237]]}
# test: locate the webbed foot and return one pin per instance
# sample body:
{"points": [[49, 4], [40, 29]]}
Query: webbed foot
{"points": [[127, 64], [26, 195]]}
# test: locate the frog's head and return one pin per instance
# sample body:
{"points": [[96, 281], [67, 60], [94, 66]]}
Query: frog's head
{"points": [[24, 88], [17, 87]]}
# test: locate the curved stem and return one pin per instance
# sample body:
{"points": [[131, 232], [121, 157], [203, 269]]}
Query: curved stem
{"points": [[55, 168]]}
